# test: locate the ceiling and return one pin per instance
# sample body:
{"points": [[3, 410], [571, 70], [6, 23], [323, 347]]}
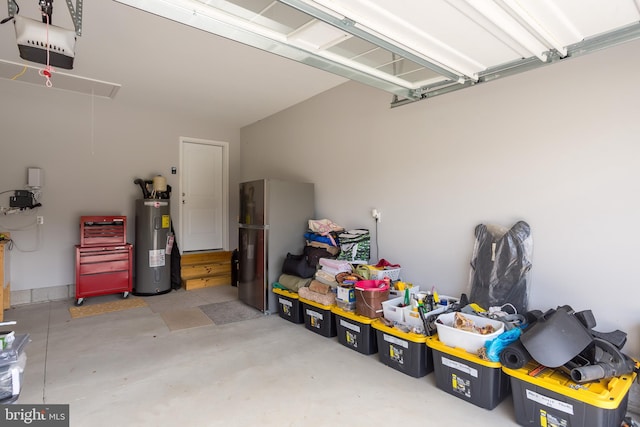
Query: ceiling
{"points": [[163, 65], [412, 49]]}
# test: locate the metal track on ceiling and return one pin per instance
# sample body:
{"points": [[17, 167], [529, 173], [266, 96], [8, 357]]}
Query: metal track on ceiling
{"points": [[421, 58], [593, 44]]}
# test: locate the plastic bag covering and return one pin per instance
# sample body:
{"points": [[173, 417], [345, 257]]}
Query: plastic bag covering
{"points": [[495, 346], [500, 265], [355, 246], [10, 379]]}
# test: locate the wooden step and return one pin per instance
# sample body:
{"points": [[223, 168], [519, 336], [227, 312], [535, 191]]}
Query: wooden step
{"points": [[205, 269], [205, 282], [205, 258]]}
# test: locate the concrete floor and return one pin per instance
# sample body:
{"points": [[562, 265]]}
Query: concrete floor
{"points": [[129, 369]]}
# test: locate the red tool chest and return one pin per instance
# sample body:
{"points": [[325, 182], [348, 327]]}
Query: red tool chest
{"points": [[104, 261], [103, 230]]}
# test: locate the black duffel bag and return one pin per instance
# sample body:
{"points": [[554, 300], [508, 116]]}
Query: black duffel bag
{"points": [[297, 265]]}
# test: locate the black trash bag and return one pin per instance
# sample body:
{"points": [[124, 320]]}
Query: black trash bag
{"points": [[500, 265], [176, 269], [235, 267]]}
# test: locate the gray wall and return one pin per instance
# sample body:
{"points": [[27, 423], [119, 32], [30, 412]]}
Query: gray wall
{"points": [[89, 161], [556, 147]]}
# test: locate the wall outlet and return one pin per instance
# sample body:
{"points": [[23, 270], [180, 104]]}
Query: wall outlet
{"points": [[39, 220], [375, 213]]}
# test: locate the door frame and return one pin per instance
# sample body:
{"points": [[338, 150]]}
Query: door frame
{"points": [[225, 186]]}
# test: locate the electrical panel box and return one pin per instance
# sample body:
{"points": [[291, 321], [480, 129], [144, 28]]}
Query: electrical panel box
{"points": [[21, 199]]}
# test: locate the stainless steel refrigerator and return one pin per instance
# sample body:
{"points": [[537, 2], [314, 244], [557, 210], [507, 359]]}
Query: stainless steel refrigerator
{"points": [[274, 215]]}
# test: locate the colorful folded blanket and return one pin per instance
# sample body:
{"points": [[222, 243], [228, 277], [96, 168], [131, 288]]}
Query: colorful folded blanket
{"points": [[315, 237]]}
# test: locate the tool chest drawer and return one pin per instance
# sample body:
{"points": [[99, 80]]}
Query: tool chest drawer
{"points": [[103, 270], [104, 267], [104, 260], [103, 230], [102, 284]]}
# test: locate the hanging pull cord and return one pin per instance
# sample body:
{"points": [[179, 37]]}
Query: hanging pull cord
{"points": [[48, 70], [47, 75]]}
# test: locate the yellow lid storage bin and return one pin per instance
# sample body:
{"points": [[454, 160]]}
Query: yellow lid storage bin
{"points": [[318, 318], [355, 331], [403, 351], [289, 305], [547, 397], [465, 375]]}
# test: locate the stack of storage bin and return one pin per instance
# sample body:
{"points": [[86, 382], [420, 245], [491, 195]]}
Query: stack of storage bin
{"points": [[542, 396]]}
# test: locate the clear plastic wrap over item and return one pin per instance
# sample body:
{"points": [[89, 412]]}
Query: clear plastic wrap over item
{"points": [[500, 266], [11, 379]]}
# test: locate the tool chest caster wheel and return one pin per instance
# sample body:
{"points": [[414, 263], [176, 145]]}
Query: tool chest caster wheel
{"points": [[79, 302], [125, 295]]}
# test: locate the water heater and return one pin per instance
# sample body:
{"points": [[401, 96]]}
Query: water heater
{"points": [[152, 247]]}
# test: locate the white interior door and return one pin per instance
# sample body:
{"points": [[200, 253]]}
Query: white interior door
{"points": [[204, 195]]}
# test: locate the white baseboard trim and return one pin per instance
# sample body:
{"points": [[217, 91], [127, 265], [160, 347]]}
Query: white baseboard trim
{"points": [[32, 296]]}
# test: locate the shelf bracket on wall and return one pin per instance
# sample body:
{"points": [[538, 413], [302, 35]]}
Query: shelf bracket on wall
{"points": [[74, 11]]}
